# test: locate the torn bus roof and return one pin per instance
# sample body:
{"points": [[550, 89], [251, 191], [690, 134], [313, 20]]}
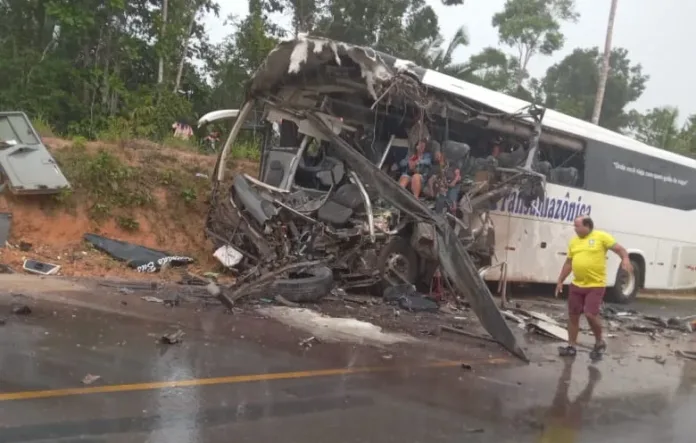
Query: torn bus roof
{"points": [[297, 61], [311, 51], [301, 56]]}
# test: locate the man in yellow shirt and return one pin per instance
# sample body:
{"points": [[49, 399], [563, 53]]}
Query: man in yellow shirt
{"points": [[587, 259]]}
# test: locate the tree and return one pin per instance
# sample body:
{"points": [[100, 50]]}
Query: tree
{"points": [[88, 65], [493, 69], [438, 56], [392, 26], [606, 59], [533, 26], [304, 12], [659, 127], [570, 86], [242, 53]]}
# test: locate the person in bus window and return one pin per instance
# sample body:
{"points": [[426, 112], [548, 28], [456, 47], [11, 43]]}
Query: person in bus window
{"points": [[496, 148], [445, 182], [586, 259], [415, 169]]}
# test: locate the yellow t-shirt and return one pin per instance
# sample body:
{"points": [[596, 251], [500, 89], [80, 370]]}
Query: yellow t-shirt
{"points": [[589, 256]]}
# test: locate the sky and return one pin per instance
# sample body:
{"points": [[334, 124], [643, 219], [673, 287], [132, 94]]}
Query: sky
{"points": [[657, 34]]}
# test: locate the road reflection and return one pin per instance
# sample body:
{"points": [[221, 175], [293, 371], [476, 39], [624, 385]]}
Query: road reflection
{"points": [[564, 417]]}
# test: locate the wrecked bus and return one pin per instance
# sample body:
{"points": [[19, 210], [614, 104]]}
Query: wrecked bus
{"points": [[588, 170], [341, 119]]}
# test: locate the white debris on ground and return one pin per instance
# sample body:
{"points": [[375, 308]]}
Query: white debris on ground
{"points": [[334, 329]]}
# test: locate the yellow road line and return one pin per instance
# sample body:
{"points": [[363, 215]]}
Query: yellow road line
{"points": [[31, 395]]}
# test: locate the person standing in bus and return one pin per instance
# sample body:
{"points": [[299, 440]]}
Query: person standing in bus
{"points": [[587, 260]]}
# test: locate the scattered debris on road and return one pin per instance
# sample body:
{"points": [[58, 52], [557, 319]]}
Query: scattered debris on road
{"points": [[307, 342], [89, 379], [151, 299], [172, 338], [21, 310], [658, 358]]}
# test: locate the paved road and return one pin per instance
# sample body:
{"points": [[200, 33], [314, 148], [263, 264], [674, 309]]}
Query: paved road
{"points": [[247, 379]]}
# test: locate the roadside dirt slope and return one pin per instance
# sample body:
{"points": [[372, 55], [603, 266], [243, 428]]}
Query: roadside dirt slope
{"points": [[135, 191]]}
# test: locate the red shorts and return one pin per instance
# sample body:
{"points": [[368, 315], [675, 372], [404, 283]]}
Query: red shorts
{"points": [[585, 300]]}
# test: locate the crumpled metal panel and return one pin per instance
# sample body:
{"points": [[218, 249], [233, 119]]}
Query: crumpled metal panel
{"points": [[455, 261]]}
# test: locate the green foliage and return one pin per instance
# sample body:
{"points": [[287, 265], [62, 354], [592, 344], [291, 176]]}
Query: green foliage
{"points": [[127, 223], [533, 26], [660, 127], [42, 126], [247, 149], [392, 26], [88, 69], [79, 142], [107, 182], [570, 86], [188, 195]]}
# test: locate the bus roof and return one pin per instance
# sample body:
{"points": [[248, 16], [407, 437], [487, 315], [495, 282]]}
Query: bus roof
{"points": [[552, 119]]}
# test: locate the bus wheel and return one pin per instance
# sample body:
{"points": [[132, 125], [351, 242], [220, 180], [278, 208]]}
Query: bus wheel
{"points": [[397, 261], [627, 285]]}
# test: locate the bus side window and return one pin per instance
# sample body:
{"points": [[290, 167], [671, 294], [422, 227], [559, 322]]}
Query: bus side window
{"points": [[562, 166]]}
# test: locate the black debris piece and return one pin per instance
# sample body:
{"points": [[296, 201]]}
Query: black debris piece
{"points": [[418, 303], [138, 257], [173, 338], [21, 310]]}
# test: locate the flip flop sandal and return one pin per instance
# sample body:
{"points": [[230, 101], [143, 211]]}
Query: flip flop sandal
{"points": [[567, 351], [598, 351]]}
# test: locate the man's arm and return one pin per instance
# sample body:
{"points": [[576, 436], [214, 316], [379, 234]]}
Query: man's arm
{"points": [[623, 253], [620, 251], [612, 245], [565, 272]]}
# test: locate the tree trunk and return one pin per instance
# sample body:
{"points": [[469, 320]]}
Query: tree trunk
{"points": [[160, 70], [184, 50], [604, 73]]}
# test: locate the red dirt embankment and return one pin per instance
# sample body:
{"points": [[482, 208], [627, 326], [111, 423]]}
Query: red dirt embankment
{"points": [[138, 191]]}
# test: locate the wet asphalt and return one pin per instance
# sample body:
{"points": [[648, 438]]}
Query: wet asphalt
{"points": [[248, 379]]}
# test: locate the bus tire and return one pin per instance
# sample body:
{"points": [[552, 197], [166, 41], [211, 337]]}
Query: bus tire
{"points": [[307, 287], [627, 285]]}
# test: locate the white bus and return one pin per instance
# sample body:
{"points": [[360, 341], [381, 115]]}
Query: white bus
{"points": [[644, 196]]}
